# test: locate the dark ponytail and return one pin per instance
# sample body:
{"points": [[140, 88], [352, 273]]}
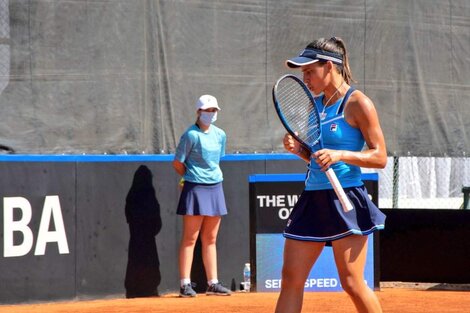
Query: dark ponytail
{"points": [[336, 45]]}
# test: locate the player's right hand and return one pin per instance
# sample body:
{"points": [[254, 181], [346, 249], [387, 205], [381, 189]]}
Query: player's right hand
{"points": [[290, 144]]}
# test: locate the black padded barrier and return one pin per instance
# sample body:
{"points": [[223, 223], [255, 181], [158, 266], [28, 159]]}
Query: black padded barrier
{"points": [[120, 226]]}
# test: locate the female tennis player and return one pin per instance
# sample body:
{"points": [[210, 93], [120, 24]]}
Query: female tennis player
{"points": [[202, 201], [318, 217]]}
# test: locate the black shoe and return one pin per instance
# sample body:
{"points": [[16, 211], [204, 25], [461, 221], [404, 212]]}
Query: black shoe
{"points": [[187, 291], [218, 290]]}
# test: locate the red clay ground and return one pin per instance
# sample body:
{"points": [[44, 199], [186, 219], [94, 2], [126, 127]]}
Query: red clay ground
{"points": [[397, 300]]}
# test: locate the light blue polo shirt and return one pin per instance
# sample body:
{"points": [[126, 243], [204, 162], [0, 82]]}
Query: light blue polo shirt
{"points": [[201, 152]]}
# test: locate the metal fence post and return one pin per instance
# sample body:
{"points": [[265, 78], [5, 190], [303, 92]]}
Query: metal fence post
{"points": [[466, 194], [396, 177]]}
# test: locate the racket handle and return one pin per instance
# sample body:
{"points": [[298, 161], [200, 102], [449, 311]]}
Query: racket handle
{"points": [[347, 206]]}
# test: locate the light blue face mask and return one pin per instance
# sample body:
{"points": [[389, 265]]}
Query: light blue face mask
{"points": [[208, 118]]}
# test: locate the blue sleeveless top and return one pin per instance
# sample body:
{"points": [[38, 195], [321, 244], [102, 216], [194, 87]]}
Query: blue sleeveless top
{"points": [[337, 134]]}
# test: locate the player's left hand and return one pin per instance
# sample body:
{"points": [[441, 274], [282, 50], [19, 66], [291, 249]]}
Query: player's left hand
{"points": [[326, 157]]}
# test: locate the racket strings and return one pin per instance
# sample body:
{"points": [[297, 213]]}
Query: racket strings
{"points": [[298, 110]]}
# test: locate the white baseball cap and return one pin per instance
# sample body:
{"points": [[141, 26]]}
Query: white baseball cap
{"points": [[206, 102]]}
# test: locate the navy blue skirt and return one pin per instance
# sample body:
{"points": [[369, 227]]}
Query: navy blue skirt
{"points": [[319, 216], [202, 199]]}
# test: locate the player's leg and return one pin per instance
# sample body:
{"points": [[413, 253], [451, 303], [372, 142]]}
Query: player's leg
{"points": [[350, 257], [299, 257], [191, 226]]}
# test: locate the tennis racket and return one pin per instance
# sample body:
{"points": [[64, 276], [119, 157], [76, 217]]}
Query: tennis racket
{"points": [[298, 113]]}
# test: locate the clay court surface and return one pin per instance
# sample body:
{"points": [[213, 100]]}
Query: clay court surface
{"points": [[393, 300]]}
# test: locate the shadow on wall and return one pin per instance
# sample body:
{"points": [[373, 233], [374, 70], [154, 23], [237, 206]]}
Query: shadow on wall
{"points": [[143, 216]]}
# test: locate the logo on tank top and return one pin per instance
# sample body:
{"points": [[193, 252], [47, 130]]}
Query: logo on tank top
{"points": [[333, 127]]}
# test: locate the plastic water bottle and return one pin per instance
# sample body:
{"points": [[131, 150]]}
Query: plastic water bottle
{"points": [[247, 277]]}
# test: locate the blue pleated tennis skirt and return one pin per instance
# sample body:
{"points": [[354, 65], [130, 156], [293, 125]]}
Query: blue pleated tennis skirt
{"points": [[319, 216], [202, 199]]}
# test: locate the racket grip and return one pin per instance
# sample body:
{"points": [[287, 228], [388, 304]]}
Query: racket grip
{"points": [[346, 204]]}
